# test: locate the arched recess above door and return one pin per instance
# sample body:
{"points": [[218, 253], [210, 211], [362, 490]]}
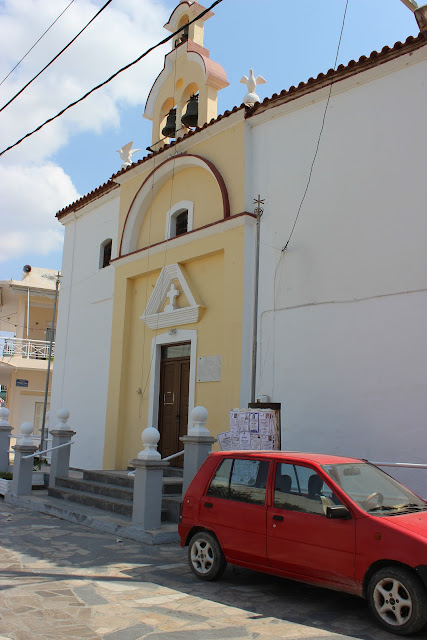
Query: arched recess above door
{"points": [[148, 190]]}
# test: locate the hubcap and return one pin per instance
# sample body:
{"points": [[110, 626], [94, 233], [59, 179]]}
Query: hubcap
{"points": [[202, 556], [392, 602]]}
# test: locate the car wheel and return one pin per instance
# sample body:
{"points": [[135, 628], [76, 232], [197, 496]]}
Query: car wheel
{"points": [[398, 600], [205, 556]]}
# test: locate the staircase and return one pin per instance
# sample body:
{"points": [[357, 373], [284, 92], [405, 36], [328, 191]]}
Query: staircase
{"points": [[113, 491]]}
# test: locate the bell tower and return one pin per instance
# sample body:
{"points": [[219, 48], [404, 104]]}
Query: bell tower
{"points": [[184, 94]]}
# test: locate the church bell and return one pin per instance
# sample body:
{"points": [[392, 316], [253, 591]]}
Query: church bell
{"points": [[190, 118], [168, 130]]}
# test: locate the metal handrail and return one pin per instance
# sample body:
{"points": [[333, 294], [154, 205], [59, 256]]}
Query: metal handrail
{"points": [[38, 453], [174, 455], [404, 465]]}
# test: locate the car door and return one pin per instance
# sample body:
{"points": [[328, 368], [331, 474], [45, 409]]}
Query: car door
{"points": [[234, 508], [300, 538]]}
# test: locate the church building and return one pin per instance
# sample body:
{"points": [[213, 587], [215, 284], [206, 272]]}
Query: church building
{"points": [[163, 274]]}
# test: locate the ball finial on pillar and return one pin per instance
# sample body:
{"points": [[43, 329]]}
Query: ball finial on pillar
{"points": [[26, 430], [62, 415], [150, 438], [199, 417], [4, 415]]}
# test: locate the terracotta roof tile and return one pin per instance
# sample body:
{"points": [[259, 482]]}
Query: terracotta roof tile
{"points": [[312, 84]]}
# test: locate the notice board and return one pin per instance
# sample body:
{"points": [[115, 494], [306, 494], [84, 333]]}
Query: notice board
{"points": [[256, 427]]}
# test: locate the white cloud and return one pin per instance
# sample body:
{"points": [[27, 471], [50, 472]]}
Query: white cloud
{"points": [[33, 188], [30, 195]]}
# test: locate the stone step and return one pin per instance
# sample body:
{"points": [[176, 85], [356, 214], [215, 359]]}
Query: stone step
{"points": [[118, 478], [97, 488], [122, 507], [113, 491]]}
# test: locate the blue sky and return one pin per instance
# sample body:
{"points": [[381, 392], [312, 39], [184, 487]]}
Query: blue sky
{"points": [[286, 41]]}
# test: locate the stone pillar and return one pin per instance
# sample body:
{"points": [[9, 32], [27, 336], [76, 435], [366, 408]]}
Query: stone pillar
{"points": [[147, 489], [23, 467], [197, 445], [61, 434], [5, 431]]}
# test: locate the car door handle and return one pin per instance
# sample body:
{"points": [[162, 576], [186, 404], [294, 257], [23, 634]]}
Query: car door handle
{"points": [[208, 505], [280, 518]]}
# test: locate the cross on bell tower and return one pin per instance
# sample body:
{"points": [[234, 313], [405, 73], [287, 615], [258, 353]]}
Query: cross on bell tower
{"points": [[188, 71]]}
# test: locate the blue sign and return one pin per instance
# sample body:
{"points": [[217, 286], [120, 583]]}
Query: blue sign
{"points": [[21, 383]]}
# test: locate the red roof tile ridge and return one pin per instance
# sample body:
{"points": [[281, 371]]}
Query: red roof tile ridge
{"points": [[344, 71], [92, 195], [364, 62]]}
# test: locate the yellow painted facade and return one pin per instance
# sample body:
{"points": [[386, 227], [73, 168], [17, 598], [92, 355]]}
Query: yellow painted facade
{"points": [[208, 173]]}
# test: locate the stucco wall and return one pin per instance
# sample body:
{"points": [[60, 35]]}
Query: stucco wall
{"points": [[84, 329], [343, 311]]}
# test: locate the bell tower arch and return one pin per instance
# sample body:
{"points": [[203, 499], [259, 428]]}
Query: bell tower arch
{"points": [[188, 71]]}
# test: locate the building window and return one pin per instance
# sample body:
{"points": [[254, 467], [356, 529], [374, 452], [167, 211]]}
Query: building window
{"points": [[105, 253], [179, 219]]}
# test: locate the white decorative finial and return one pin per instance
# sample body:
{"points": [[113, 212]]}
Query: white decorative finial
{"points": [[251, 97], [150, 438], [4, 414], [199, 416], [62, 415], [26, 430], [126, 153], [172, 294]]}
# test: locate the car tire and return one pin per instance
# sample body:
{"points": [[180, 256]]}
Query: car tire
{"points": [[205, 556], [398, 600]]}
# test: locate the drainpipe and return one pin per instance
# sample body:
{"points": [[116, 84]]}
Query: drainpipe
{"points": [[258, 210], [28, 320], [46, 390]]}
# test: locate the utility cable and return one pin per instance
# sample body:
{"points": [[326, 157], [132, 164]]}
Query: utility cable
{"points": [[73, 104], [321, 130], [36, 42], [56, 57]]}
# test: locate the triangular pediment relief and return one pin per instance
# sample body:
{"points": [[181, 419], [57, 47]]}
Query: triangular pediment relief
{"points": [[172, 302]]}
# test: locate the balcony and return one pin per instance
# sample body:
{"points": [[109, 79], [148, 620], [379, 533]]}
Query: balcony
{"points": [[25, 348]]}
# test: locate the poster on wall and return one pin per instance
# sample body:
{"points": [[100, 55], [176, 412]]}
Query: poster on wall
{"points": [[252, 429]]}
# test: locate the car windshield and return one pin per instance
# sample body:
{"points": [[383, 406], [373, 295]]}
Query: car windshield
{"points": [[373, 490]]}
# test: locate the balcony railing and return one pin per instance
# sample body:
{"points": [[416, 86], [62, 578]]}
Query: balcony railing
{"points": [[25, 348]]}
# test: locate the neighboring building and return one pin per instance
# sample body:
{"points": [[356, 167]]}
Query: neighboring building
{"points": [[26, 315], [169, 323]]}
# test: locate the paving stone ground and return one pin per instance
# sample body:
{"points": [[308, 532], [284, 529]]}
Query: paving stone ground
{"points": [[62, 580]]}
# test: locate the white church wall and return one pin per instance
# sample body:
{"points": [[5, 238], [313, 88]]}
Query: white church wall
{"points": [[83, 337], [342, 312]]}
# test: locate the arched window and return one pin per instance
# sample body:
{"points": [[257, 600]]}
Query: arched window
{"points": [[179, 219], [181, 223], [105, 253]]}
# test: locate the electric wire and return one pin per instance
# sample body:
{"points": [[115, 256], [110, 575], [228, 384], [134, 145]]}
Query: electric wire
{"points": [[283, 251], [56, 57], [321, 130], [175, 152], [36, 42], [102, 84]]}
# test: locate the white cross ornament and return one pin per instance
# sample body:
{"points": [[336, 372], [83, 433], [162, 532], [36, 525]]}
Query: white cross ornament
{"points": [[172, 294]]}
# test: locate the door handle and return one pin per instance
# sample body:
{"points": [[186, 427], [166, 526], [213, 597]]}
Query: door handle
{"points": [[208, 505], [280, 518]]}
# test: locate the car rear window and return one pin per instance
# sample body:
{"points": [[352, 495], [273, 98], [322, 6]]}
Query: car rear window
{"points": [[240, 480]]}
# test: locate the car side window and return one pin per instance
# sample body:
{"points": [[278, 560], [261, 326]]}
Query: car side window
{"points": [[240, 480], [299, 488]]}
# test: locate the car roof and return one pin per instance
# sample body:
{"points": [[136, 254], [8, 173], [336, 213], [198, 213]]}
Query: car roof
{"points": [[297, 456]]}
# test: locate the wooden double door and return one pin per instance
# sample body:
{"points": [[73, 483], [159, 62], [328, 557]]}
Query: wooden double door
{"points": [[173, 399]]}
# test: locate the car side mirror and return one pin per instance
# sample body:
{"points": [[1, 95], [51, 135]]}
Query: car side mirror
{"points": [[338, 511]]}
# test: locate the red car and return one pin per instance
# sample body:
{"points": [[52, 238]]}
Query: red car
{"points": [[336, 522]]}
